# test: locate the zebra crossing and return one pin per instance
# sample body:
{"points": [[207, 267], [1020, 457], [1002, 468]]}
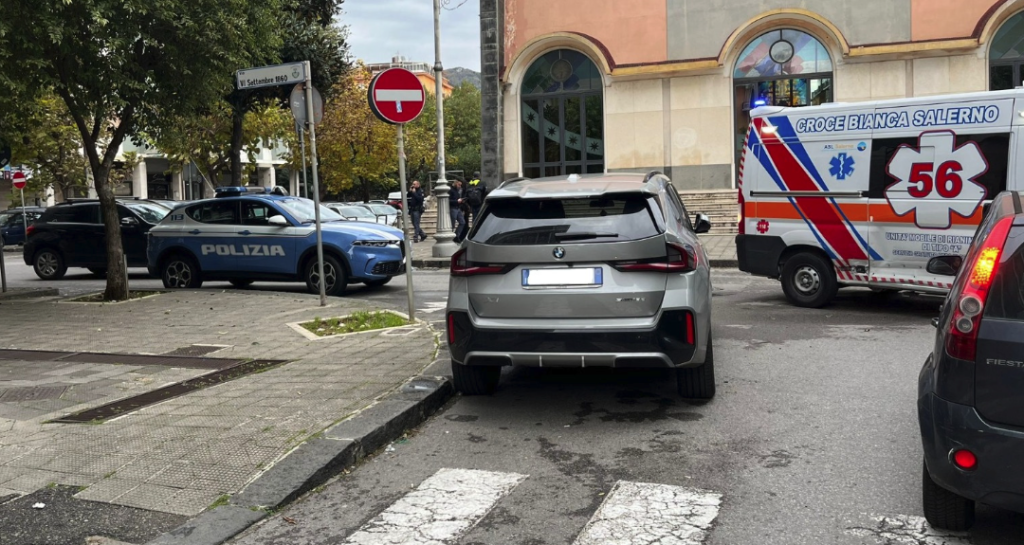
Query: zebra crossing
{"points": [[450, 503]]}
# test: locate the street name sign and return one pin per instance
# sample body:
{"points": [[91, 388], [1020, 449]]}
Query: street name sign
{"points": [[270, 76]]}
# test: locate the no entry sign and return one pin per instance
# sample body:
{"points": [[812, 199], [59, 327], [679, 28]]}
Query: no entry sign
{"points": [[19, 180], [396, 96]]}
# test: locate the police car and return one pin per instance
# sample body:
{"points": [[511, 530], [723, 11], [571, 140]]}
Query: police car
{"points": [[248, 234]]}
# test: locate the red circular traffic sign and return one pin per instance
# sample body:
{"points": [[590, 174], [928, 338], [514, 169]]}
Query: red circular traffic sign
{"points": [[19, 180], [396, 96]]}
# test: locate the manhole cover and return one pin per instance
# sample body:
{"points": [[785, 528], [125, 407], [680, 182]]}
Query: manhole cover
{"points": [[35, 393], [196, 350]]}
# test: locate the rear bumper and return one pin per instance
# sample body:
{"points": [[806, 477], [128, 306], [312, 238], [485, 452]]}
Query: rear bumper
{"points": [[947, 426], [759, 254], [663, 345]]}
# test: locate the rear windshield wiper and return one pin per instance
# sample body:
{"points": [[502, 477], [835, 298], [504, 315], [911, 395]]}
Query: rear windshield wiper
{"points": [[584, 236]]}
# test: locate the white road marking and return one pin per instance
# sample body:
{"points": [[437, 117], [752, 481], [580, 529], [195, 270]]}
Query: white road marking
{"points": [[433, 307], [442, 508], [647, 513], [908, 530]]}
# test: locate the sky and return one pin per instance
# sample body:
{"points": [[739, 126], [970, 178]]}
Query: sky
{"points": [[381, 29]]}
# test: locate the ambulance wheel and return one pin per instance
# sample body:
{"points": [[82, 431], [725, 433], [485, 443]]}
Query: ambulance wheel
{"points": [[335, 277], [808, 280], [181, 272]]}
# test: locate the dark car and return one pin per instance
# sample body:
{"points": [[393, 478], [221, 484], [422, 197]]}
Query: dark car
{"points": [[12, 223], [971, 389], [71, 235]]}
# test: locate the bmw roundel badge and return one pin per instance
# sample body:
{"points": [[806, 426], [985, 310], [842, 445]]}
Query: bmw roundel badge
{"points": [[558, 252]]}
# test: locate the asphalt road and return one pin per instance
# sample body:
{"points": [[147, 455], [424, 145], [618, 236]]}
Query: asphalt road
{"points": [[812, 439]]}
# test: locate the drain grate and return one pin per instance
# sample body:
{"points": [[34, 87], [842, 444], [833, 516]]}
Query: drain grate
{"points": [[196, 350], [166, 360], [34, 393], [127, 405], [32, 355]]}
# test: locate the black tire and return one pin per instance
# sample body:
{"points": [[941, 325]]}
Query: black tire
{"points": [[475, 381], [378, 283], [809, 281], [943, 508], [240, 283], [180, 271], [49, 264], [98, 272], [698, 382], [335, 273]]}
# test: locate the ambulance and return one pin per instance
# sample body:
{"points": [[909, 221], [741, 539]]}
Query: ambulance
{"points": [[864, 194]]}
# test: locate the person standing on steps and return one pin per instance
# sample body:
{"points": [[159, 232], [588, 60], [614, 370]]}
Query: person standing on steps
{"points": [[455, 203], [474, 197], [415, 199]]}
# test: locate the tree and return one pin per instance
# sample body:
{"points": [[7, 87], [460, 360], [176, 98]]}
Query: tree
{"points": [[50, 145], [127, 66], [462, 128]]}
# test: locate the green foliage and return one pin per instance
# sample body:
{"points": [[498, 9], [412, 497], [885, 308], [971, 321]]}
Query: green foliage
{"points": [[462, 115], [48, 143]]}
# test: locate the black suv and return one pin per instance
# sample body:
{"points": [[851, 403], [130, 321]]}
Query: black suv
{"points": [[71, 235], [971, 389]]}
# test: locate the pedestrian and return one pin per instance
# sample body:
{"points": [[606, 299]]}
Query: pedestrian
{"points": [[455, 209], [415, 200], [475, 194]]}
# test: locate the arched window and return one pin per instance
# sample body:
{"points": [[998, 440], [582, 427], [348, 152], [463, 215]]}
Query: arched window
{"points": [[562, 116], [785, 67], [1006, 55]]}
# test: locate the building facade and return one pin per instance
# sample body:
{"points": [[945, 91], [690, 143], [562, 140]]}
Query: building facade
{"points": [[640, 85], [423, 71]]}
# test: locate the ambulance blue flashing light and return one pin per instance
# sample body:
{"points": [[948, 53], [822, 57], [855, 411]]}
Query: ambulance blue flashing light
{"points": [[760, 102], [234, 191]]}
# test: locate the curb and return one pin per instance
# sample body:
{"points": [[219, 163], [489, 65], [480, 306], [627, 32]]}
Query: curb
{"points": [[317, 460], [26, 293], [724, 263]]}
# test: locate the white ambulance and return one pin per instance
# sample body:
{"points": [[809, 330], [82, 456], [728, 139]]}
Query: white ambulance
{"points": [[864, 194]]}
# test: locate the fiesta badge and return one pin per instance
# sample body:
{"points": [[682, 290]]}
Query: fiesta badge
{"points": [[558, 252]]}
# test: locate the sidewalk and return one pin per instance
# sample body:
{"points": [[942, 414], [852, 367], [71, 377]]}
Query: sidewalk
{"points": [[182, 455], [721, 250]]}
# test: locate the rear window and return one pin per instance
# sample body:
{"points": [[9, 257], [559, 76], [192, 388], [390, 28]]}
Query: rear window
{"points": [[83, 213], [1006, 296], [517, 222]]}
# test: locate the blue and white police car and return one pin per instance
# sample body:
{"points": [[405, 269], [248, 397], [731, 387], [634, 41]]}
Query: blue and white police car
{"points": [[248, 234]]}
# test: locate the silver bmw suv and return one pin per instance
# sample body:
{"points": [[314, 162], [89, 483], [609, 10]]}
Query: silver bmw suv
{"points": [[582, 271]]}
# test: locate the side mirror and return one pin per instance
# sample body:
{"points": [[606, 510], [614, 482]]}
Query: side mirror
{"points": [[702, 225], [945, 265], [129, 221], [278, 220]]}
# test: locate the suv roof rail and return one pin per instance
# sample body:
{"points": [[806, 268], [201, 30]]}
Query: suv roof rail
{"points": [[513, 180], [652, 174]]}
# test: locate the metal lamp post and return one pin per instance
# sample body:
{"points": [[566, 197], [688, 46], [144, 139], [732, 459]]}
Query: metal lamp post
{"points": [[444, 245]]}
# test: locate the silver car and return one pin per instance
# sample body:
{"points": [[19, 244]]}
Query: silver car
{"points": [[582, 271]]}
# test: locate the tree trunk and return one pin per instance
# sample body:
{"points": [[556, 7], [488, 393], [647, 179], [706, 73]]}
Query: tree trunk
{"points": [[117, 274], [238, 115]]}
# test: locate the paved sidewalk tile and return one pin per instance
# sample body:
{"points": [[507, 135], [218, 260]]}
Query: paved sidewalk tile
{"points": [[181, 455]]}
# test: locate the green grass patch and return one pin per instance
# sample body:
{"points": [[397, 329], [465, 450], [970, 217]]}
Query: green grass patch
{"points": [[222, 500], [354, 323]]}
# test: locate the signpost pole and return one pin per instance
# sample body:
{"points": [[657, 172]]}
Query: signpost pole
{"points": [[24, 216], [3, 268], [304, 191], [405, 221], [316, 183]]}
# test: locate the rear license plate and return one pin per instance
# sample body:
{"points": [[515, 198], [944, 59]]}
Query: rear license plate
{"points": [[582, 276]]}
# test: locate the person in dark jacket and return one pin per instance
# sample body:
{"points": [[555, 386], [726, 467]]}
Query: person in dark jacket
{"points": [[415, 199], [474, 197], [455, 205]]}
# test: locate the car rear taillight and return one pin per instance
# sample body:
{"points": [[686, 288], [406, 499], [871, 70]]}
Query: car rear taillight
{"points": [[679, 258], [451, 329], [29, 230], [965, 460], [463, 267], [962, 340], [743, 214]]}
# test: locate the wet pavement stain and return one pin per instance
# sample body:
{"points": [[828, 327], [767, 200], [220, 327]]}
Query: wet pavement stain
{"points": [[778, 458], [475, 438], [461, 418], [658, 413]]}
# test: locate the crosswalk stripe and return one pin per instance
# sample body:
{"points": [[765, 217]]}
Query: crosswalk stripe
{"points": [[439, 510], [648, 513], [908, 530]]}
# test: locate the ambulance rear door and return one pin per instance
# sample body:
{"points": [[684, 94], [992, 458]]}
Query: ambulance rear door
{"points": [[932, 168]]}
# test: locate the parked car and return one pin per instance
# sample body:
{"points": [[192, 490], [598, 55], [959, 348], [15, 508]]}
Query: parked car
{"points": [[602, 271], [13, 221], [386, 214], [244, 235], [395, 199], [971, 389], [354, 213], [71, 234]]}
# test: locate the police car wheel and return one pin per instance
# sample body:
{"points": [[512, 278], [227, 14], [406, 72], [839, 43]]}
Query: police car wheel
{"points": [[335, 277], [49, 264], [809, 281], [181, 272]]}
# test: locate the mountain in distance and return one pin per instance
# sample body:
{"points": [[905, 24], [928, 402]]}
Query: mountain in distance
{"points": [[458, 75]]}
